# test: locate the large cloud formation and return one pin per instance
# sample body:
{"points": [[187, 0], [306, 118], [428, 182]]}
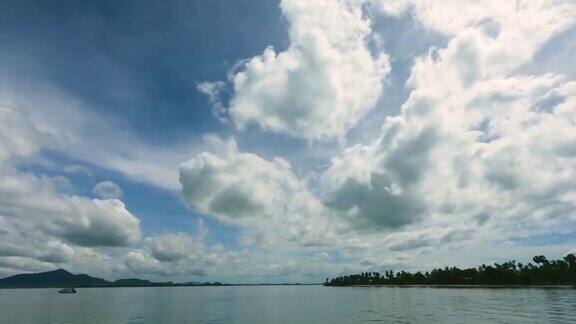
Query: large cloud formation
{"points": [[475, 137], [322, 84], [481, 152]]}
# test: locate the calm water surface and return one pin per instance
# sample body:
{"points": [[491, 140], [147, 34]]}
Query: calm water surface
{"points": [[288, 304]]}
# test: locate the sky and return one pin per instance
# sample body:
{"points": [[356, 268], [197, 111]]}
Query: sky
{"points": [[284, 141]]}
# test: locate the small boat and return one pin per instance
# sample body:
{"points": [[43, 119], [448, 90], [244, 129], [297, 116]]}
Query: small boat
{"points": [[67, 291]]}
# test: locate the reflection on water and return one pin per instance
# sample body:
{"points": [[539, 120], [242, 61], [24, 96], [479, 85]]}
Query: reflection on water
{"points": [[288, 304]]}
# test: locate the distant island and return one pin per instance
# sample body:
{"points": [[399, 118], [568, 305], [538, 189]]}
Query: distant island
{"points": [[543, 272], [61, 279]]}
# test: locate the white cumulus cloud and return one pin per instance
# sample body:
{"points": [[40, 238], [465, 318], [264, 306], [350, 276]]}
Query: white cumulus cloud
{"points": [[41, 222], [263, 195], [477, 145], [321, 85], [107, 190]]}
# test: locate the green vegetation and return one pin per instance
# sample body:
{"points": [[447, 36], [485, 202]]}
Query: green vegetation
{"points": [[543, 272]]}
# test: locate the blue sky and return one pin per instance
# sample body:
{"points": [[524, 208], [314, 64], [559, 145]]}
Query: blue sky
{"points": [[138, 63], [270, 141]]}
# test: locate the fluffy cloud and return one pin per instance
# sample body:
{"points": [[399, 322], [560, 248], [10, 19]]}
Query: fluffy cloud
{"points": [[453, 16], [18, 137], [213, 90], [264, 195], [34, 202], [372, 190], [476, 145], [107, 190], [174, 247], [173, 254], [37, 248], [321, 85], [39, 220]]}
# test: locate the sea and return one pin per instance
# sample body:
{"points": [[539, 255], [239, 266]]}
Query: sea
{"points": [[289, 304]]}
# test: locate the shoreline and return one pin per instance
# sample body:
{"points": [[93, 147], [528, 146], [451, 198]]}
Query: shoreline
{"points": [[347, 286], [460, 286], [159, 286]]}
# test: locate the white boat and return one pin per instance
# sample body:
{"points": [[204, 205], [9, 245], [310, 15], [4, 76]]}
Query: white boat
{"points": [[67, 291]]}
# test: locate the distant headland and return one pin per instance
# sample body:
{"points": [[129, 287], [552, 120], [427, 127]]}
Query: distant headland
{"points": [[61, 278], [543, 272]]}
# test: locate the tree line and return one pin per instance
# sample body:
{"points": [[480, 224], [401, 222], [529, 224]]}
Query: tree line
{"points": [[541, 272]]}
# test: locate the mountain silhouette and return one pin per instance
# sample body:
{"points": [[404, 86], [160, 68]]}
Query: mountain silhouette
{"points": [[55, 278], [132, 282], [61, 278]]}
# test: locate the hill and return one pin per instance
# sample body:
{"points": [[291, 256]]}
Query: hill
{"points": [[62, 278], [132, 282], [56, 278]]}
